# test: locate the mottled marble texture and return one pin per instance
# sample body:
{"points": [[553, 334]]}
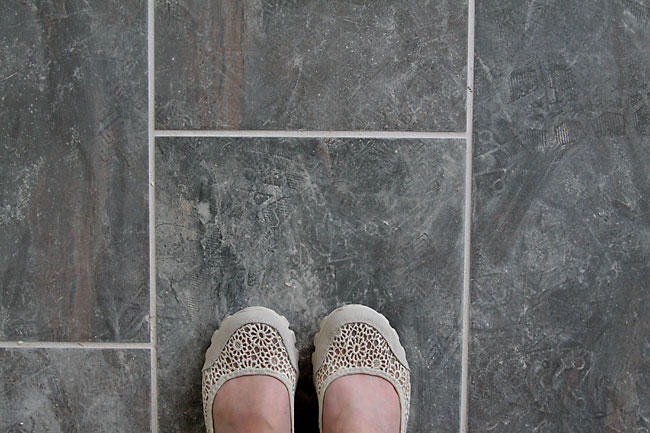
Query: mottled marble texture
{"points": [[317, 64], [71, 390], [73, 171], [561, 237], [304, 226]]}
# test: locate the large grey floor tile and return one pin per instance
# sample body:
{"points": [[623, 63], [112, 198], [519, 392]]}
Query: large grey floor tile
{"points": [[71, 390], [317, 64], [73, 171], [304, 226], [560, 296]]}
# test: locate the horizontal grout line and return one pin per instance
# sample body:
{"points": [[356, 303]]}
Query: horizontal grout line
{"points": [[311, 134], [72, 345]]}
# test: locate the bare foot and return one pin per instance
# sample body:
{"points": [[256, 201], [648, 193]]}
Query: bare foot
{"points": [[361, 403], [258, 404]]}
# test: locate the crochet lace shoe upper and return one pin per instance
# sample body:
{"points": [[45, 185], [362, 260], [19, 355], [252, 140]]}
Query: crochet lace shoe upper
{"points": [[356, 339], [255, 340]]}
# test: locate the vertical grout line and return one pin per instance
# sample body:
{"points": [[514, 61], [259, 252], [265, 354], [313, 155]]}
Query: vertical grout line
{"points": [[467, 225], [152, 216]]}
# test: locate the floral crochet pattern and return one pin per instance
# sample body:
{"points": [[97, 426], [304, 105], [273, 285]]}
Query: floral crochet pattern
{"points": [[255, 348], [359, 345]]}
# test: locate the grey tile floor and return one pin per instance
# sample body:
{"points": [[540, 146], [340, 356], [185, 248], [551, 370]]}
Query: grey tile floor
{"points": [[476, 172]]}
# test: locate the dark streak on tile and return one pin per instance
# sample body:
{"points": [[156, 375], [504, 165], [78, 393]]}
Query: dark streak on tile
{"points": [[561, 238], [369, 65], [304, 226], [73, 169]]}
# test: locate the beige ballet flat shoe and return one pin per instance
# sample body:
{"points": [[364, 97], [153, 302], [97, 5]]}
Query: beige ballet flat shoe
{"points": [[256, 340], [356, 339]]}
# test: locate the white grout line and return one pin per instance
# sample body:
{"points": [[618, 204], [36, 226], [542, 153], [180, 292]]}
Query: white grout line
{"points": [[467, 225], [312, 134], [72, 345], [152, 216]]}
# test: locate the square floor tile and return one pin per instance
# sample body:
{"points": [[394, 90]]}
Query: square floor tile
{"points": [[73, 390], [561, 237], [73, 171], [303, 226], [318, 64]]}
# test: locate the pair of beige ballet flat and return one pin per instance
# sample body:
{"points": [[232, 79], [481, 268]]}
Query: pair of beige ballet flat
{"points": [[353, 339]]}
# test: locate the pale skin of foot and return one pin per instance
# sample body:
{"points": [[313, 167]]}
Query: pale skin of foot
{"points": [[356, 403], [360, 403], [252, 404]]}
